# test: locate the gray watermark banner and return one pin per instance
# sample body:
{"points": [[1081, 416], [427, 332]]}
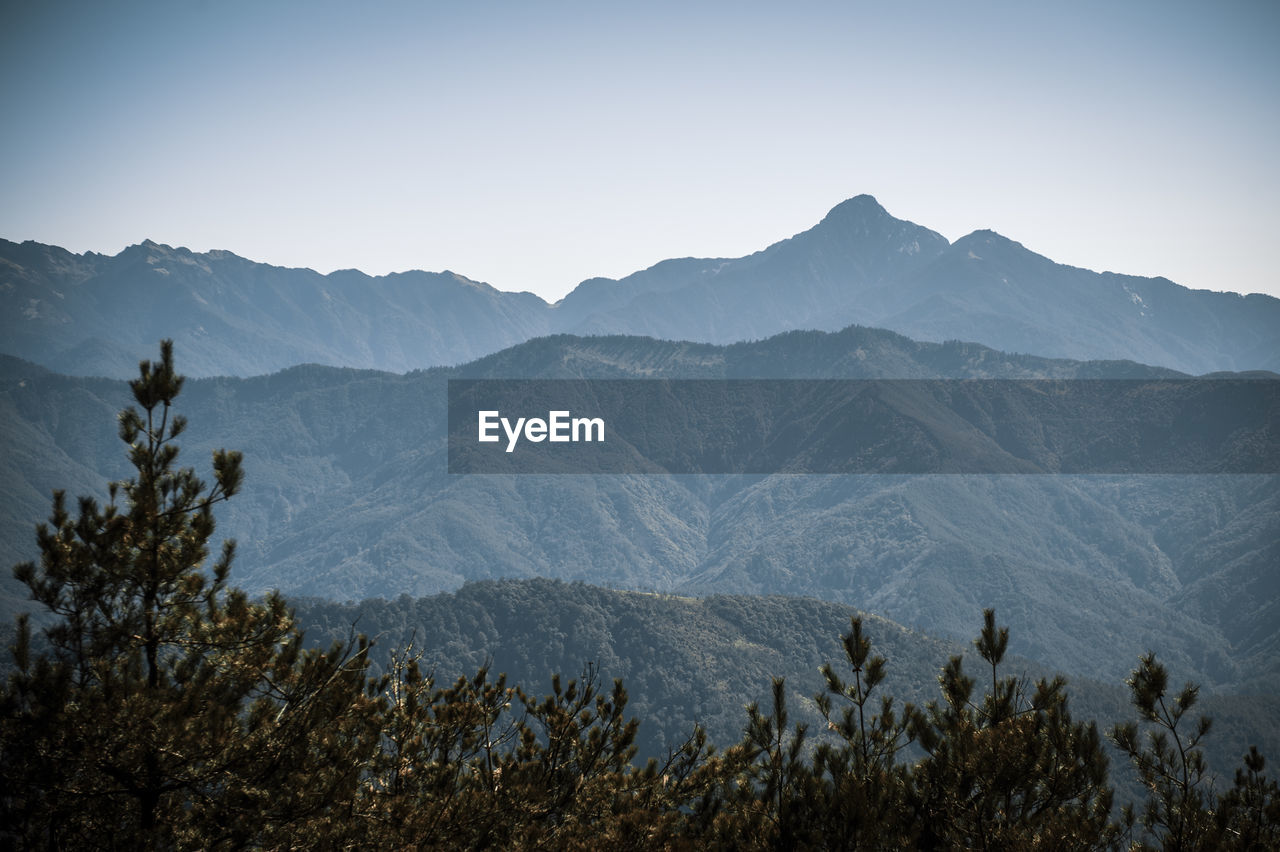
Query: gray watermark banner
{"points": [[869, 426]]}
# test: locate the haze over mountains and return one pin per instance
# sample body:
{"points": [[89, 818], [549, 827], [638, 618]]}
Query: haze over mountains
{"points": [[96, 315], [348, 497]]}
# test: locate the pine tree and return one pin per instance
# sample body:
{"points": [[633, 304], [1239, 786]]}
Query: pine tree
{"points": [[865, 785], [1012, 772], [778, 803], [1181, 812], [169, 709], [484, 765], [1248, 814], [442, 773]]}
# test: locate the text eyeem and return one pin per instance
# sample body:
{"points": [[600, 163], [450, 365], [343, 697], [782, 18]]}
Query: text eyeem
{"points": [[558, 427]]}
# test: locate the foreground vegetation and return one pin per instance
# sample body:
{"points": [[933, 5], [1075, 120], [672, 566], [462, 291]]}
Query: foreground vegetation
{"points": [[165, 709]]}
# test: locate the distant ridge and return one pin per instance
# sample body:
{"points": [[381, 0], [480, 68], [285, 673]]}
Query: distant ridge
{"points": [[92, 314]]}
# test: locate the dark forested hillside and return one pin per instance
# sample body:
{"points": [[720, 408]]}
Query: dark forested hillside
{"points": [[690, 661]]}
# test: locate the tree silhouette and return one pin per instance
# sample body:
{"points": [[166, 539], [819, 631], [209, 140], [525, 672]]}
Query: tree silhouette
{"points": [[169, 709]]}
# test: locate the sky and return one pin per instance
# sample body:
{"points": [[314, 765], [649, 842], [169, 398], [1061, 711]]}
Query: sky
{"points": [[535, 145]]}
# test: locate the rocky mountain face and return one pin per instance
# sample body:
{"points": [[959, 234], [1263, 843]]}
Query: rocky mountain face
{"points": [[96, 315]]}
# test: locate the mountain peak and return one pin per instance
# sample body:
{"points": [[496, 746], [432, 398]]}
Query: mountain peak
{"points": [[861, 225], [862, 206], [148, 246], [988, 237], [863, 217]]}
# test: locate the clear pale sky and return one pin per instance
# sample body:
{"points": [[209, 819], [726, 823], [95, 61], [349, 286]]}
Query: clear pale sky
{"points": [[535, 144]]}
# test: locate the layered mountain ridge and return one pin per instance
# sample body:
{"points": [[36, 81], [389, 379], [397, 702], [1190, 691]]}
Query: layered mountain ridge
{"points": [[92, 314], [348, 497]]}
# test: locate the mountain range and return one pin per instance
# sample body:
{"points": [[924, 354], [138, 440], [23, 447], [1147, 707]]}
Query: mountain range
{"points": [[348, 498], [334, 387], [91, 314]]}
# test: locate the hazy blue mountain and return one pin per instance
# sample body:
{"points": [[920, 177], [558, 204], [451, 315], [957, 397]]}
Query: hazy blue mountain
{"points": [[96, 315], [861, 265], [813, 280], [989, 288], [347, 497]]}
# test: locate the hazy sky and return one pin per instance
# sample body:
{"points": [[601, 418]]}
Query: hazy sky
{"points": [[535, 144]]}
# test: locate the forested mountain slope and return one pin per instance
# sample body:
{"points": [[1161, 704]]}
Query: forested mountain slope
{"points": [[688, 661], [347, 497]]}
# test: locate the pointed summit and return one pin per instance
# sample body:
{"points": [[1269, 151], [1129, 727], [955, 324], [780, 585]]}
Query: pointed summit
{"points": [[995, 248], [862, 201], [988, 237], [861, 210], [863, 222], [871, 238]]}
